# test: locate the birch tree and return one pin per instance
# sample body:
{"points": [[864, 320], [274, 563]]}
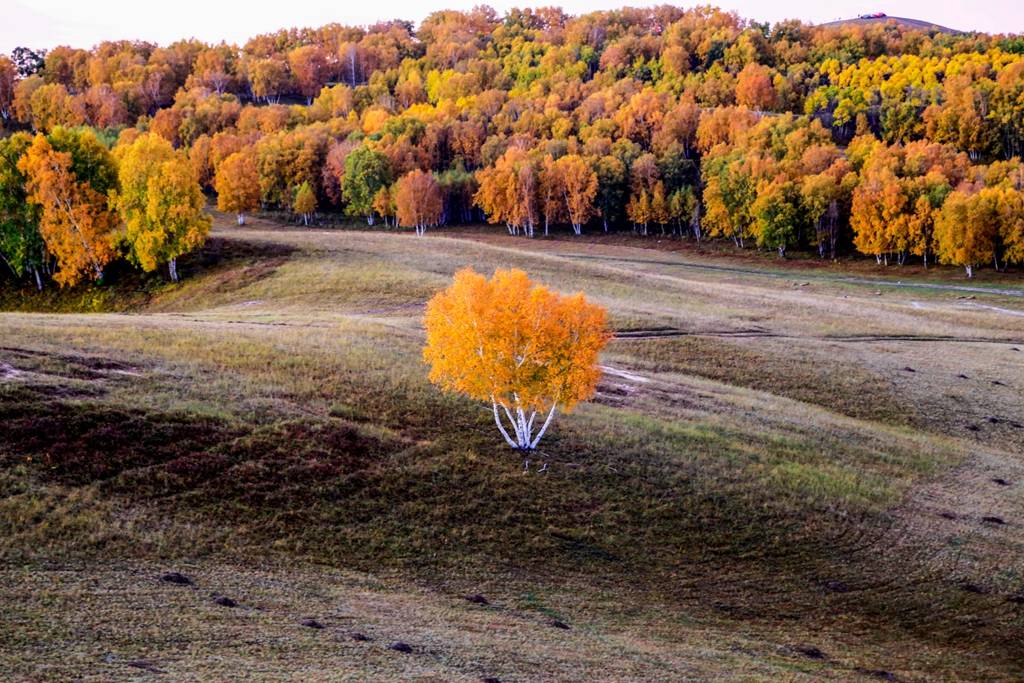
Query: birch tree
{"points": [[578, 185], [160, 203], [523, 348], [418, 201], [75, 220], [304, 203], [238, 184]]}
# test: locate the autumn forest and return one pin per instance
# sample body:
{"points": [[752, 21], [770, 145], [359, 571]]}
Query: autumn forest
{"points": [[896, 143]]}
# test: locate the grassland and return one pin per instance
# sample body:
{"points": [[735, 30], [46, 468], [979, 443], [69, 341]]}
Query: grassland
{"points": [[789, 473]]}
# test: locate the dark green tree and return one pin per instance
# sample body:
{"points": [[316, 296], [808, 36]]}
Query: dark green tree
{"points": [[366, 171], [21, 245]]}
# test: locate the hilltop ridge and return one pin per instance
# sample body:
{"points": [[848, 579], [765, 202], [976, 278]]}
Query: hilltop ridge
{"points": [[905, 22]]}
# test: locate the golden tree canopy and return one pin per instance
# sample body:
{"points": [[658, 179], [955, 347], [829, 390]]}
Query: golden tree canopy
{"points": [[161, 203], [238, 184], [305, 201], [577, 182], [517, 344]]}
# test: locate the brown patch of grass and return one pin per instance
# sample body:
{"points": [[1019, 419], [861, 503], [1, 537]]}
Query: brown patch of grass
{"points": [[85, 442]]}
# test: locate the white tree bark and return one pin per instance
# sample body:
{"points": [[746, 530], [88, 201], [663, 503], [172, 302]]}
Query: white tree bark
{"points": [[501, 427], [522, 423], [544, 427]]}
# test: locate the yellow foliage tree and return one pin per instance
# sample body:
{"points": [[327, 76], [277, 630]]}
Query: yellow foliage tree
{"points": [[878, 214], [660, 212], [578, 184], [967, 229], [51, 106], [161, 203], [304, 203], [75, 220], [973, 228], [384, 204], [1011, 225], [639, 211], [526, 349], [238, 184]]}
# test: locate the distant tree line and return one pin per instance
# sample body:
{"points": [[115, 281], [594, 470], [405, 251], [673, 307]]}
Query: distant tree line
{"points": [[898, 143]]}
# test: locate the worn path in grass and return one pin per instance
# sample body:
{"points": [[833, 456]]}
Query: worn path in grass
{"points": [[776, 479], [873, 282]]}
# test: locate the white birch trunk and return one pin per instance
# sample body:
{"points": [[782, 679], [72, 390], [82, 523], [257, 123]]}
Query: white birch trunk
{"points": [[501, 427], [544, 427], [522, 424]]}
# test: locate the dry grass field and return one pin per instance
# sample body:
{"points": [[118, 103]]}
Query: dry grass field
{"points": [[788, 473]]}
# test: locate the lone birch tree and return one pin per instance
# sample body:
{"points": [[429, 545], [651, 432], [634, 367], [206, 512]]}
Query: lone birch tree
{"points": [[527, 350]]}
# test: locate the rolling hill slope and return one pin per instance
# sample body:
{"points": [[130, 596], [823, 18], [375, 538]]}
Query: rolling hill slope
{"points": [[778, 478]]}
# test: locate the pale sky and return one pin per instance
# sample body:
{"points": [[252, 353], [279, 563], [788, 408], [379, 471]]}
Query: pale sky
{"points": [[45, 23]]}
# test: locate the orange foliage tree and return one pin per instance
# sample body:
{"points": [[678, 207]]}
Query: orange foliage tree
{"points": [[754, 88], [75, 220], [418, 200], [309, 64], [509, 191], [526, 349]]}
